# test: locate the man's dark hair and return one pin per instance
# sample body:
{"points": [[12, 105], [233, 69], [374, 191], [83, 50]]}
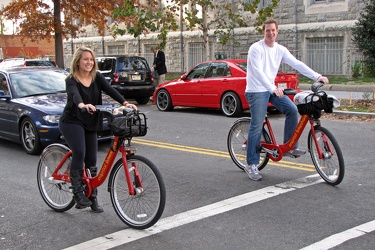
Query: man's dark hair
{"points": [[268, 22]]}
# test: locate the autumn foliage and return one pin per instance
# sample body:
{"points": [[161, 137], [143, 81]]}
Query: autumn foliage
{"points": [[36, 18]]}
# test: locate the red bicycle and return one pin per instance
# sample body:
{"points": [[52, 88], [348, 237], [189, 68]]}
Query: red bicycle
{"points": [[135, 184], [325, 152]]}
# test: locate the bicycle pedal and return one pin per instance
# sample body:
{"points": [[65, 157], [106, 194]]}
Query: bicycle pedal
{"points": [[259, 149]]}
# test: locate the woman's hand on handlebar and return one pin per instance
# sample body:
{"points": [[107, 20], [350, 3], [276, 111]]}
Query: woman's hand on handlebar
{"points": [[88, 107], [130, 105]]}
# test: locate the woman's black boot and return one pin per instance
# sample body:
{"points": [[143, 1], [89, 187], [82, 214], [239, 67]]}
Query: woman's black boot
{"points": [[94, 206], [78, 190]]}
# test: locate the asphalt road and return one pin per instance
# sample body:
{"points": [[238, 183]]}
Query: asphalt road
{"points": [[211, 204]]}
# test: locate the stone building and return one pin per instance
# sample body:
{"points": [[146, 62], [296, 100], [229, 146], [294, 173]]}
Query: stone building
{"points": [[318, 32]]}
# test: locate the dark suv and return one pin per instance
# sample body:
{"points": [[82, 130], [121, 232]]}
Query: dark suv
{"points": [[130, 75]]}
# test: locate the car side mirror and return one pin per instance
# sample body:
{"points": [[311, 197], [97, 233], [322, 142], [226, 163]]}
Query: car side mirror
{"points": [[4, 96], [183, 77]]}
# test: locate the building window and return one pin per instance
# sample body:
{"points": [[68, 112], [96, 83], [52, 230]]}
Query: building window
{"points": [[325, 6], [325, 55], [149, 56], [197, 53], [116, 50]]}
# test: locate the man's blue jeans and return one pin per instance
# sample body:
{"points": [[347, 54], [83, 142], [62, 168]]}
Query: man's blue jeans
{"points": [[258, 109]]}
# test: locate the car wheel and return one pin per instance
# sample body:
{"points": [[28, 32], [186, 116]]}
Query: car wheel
{"points": [[231, 104], [30, 137], [163, 100], [142, 100]]}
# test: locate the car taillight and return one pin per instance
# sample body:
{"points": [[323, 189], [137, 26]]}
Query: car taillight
{"points": [[152, 76], [115, 77]]}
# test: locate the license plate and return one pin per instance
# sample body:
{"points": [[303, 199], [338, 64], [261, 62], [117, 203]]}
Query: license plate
{"points": [[136, 77], [282, 85]]}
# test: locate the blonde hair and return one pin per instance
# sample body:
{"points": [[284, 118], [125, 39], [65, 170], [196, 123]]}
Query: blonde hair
{"points": [[77, 56]]}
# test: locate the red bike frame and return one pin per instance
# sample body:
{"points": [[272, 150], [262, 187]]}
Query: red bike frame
{"points": [[276, 151], [94, 182]]}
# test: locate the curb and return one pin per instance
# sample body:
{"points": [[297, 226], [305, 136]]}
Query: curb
{"points": [[341, 87], [337, 112]]}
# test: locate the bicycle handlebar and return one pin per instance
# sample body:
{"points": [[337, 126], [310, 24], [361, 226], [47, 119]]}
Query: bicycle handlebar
{"points": [[113, 111], [316, 86]]}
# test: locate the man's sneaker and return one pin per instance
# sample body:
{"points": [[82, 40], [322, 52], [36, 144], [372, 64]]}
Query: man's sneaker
{"points": [[253, 172], [295, 153]]}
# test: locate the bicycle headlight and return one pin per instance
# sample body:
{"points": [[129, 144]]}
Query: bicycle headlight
{"points": [[52, 118]]}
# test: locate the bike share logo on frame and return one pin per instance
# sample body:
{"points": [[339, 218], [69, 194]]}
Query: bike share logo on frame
{"points": [[300, 126], [107, 162]]}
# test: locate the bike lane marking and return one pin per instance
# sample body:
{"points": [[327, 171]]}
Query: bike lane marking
{"points": [[129, 235], [339, 238], [219, 153]]}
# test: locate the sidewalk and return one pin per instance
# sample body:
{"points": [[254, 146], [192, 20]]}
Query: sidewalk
{"points": [[342, 91], [342, 87]]}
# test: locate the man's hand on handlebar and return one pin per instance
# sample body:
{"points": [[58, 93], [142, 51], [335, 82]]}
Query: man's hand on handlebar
{"points": [[323, 79], [279, 92]]}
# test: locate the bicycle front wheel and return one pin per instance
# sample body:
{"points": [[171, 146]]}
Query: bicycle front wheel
{"points": [[237, 143], [144, 208], [331, 166], [55, 193]]}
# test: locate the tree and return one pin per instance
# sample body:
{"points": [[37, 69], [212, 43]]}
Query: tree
{"points": [[39, 20], [364, 36], [228, 14], [141, 17]]}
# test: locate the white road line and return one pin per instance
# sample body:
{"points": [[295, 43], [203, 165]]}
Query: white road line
{"points": [[128, 235], [337, 239]]}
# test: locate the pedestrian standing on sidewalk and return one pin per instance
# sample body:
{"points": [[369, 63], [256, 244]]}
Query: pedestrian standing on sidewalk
{"points": [[159, 64], [263, 62]]}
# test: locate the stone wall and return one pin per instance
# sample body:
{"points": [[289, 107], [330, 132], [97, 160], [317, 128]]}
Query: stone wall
{"points": [[298, 21]]}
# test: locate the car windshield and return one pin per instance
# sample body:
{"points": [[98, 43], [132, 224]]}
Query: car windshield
{"points": [[28, 83], [40, 63], [131, 64], [242, 65]]}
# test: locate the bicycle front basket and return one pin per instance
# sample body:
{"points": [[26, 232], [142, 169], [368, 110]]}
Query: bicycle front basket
{"points": [[130, 125], [313, 103]]}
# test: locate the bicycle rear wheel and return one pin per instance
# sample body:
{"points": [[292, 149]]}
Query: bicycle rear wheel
{"points": [[237, 143], [145, 208], [55, 193], [331, 167]]}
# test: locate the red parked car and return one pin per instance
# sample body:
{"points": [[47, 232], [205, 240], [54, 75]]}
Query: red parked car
{"points": [[216, 84]]}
